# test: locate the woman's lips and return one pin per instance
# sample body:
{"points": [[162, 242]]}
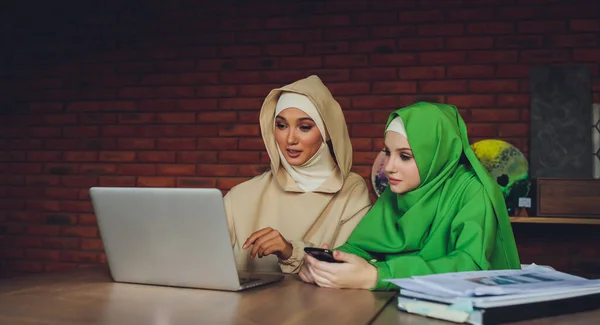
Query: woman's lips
{"points": [[293, 153], [394, 181]]}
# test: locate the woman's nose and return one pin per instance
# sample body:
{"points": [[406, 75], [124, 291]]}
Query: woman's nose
{"points": [[291, 137], [388, 165]]}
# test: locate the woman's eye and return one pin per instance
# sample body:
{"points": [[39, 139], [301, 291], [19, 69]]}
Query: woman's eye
{"points": [[280, 126], [306, 128], [405, 157], [386, 152]]}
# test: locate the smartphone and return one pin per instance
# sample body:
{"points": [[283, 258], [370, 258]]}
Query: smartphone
{"points": [[321, 254]]}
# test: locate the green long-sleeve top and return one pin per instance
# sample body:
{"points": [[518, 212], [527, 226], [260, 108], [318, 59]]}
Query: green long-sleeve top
{"points": [[455, 220]]}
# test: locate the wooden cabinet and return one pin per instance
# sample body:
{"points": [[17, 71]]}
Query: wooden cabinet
{"points": [[568, 198]]}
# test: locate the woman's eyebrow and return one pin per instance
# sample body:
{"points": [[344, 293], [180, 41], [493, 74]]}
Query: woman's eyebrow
{"points": [[306, 119], [281, 117]]}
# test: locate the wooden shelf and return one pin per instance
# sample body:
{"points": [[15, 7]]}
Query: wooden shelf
{"points": [[571, 221]]}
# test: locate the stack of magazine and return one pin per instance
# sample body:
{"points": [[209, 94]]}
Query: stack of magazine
{"points": [[496, 297]]}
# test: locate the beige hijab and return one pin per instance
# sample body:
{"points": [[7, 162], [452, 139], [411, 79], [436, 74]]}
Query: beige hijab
{"points": [[333, 118], [327, 214], [316, 170]]}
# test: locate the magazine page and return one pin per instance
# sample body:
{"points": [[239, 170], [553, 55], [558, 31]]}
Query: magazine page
{"points": [[532, 278], [503, 300]]}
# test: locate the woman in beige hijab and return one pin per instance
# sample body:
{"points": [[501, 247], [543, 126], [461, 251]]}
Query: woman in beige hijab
{"points": [[309, 197]]}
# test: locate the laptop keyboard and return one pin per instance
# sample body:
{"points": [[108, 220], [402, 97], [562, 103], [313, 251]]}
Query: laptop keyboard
{"points": [[244, 280]]}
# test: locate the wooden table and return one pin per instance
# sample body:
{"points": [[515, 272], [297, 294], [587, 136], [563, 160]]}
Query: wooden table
{"points": [[89, 296]]}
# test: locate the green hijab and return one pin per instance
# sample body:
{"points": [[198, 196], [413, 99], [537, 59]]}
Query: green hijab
{"points": [[455, 220]]}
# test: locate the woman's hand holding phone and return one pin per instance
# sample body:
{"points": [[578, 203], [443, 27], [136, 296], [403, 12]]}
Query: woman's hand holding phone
{"points": [[351, 271]]}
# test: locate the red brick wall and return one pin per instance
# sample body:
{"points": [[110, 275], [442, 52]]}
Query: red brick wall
{"points": [[150, 94]]}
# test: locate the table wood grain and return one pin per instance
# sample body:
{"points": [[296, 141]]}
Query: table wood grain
{"points": [[89, 296]]}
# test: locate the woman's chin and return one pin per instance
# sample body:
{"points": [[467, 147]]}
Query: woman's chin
{"points": [[398, 189], [296, 161]]}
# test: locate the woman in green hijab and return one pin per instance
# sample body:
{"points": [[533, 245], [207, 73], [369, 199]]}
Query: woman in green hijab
{"points": [[441, 213]]}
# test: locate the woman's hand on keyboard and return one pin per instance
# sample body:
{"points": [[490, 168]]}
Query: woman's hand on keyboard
{"points": [[268, 241]]}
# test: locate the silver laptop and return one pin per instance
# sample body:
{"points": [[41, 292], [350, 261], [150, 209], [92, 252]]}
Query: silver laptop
{"points": [[169, 236]]}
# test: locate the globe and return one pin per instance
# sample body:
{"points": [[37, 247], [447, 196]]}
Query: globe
{"points": [[378, 178], [508, 166]]}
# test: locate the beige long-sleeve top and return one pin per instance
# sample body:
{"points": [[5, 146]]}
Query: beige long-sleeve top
{"points": [[304, 219], [273, 199]]}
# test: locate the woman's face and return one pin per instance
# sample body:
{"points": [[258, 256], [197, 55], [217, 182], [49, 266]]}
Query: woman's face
{"points": [[400, 165], [297, 136]]}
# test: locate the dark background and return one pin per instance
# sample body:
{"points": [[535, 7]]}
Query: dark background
{"points": [[167, 93]]}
